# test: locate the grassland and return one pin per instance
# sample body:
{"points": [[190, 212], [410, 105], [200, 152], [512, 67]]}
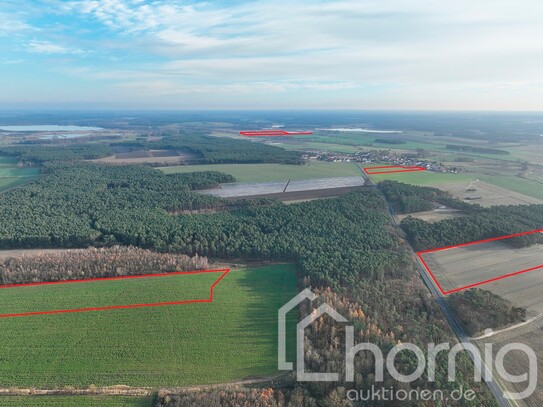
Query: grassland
{"points": [[74, 401], [11, 175], [232, 338], [423, 177], [273, 172], [516, 184]]}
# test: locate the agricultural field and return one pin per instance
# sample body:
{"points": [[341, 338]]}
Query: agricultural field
{"points": [[148, 157], [487, 194], [422, 177], [461, 266], [516, 362], [273, 172], [232, 338], [11, 175], [266, 188]]}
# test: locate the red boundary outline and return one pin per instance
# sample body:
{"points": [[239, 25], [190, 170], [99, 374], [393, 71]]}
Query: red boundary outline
{"points": [[272, 133], [223, 272], [404, 168], [419, 255]]}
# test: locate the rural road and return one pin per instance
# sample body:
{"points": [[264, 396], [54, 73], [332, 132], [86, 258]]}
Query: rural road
{"points": [[495, 387]]}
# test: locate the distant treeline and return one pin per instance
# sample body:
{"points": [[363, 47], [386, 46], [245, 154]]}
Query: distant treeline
{"points": [[38, 154], [389, 141], [471, 149], [214, 150], [207, 150], [94, 263]]}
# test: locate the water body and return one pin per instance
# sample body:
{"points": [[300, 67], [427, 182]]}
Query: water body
{"points": [[241, 189], [64, 136], [361, 130], [48, 127]]}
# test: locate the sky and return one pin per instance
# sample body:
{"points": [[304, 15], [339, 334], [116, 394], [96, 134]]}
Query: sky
{"points": [[305, 54]]}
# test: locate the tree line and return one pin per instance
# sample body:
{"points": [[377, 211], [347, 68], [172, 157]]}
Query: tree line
{"points": [[37, 154], [215, 150], [83, 264], [406, 198], [478, 310], [484, 223]]}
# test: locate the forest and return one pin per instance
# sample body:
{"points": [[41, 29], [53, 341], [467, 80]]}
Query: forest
{"points": [[38, 154], [89, 204], [219, 150], [206, 149], [94, 263], [345, 248], [471, 149], [478, 309], [406, 198], [477, 224], [484, 223], [65, 206]]}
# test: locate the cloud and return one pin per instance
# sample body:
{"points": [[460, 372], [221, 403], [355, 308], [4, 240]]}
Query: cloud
{"points": [[46, 47], [406, 50], [10, 24]]}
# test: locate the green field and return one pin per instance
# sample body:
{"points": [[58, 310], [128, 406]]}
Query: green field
{"points": [[11, 175], [232, 338], [516, 184], [273, 172], [422, 177], [74, 401]]}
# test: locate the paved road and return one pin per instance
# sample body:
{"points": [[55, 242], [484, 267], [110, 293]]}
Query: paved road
{"points": [[495, 387]]}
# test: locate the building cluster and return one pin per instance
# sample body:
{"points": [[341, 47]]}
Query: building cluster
{"points": [[381, 156]]}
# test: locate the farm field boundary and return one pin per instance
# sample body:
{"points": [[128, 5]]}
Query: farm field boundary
{"points": [[390, 169], [222, 272], [421, 254]]}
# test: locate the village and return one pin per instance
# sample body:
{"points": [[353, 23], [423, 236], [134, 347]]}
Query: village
{"points": [[383, 156]]}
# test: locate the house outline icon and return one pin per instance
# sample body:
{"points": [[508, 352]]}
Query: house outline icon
{"points": [[300, 336]]}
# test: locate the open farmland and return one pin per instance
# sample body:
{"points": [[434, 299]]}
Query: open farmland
{"points": [[277, 188], [486, 194], [12, 175], [273, 172], [471, 264], [423, 177], [200, 343], [516, 362], [462, 266], [95, 293], [170, 157]]}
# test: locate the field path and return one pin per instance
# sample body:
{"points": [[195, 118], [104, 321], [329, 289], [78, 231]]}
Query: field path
{"points": [[510, 328], [128, 390]]}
